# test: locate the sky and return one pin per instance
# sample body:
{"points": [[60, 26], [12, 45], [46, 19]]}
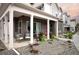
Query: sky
{"points": [[71, 8]]}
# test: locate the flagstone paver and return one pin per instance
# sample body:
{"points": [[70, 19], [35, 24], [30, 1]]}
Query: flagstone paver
{"points": [[58, 47]]}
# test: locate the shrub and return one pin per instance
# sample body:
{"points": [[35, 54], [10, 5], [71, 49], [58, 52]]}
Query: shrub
{"points": [[42, 37], [69, 35], [52, 37]]}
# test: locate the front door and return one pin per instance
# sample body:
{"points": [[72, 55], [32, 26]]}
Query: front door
{"points": [[37, 29]]}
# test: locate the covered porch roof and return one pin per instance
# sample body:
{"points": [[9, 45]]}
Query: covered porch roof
{"points": [[29, 7]]}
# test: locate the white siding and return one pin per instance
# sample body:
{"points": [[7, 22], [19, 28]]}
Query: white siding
{"points": [[72, 25], [47, 8]]}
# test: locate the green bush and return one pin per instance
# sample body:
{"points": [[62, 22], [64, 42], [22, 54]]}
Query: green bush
{"points": [[68, 35], [42, 37], [52, 37]]}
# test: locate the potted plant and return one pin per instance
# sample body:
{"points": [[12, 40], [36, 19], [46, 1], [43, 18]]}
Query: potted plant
{"points": [[33, 48]]}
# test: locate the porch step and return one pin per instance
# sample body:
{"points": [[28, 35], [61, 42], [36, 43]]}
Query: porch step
{"points": [[7, 52], [2, 46], [64, 39]]}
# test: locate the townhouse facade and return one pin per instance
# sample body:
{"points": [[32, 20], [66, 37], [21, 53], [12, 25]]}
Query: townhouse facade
{"points": [[73, 25], [69, 23], [28, 20], [66, 22]]}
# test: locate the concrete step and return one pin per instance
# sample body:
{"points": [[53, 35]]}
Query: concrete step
{"points": [[2, 46], [7, 52]]}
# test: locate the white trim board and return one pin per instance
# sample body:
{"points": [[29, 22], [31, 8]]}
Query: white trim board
{"points": [[16, 51], [25, 11]]}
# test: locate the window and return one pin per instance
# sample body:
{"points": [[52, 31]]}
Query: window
{"points": [[27, 26], [34, 27], [65, 22], [41, 7], [56, 15], [19, 26], [72, 29]]}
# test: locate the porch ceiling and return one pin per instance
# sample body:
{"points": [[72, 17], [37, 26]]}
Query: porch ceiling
{"points": [[39, 17], [18, 14], [26, 6]]}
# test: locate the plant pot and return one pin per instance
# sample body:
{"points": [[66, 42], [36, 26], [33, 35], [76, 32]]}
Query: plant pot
{"points": [[34, 49], [49, 41]]}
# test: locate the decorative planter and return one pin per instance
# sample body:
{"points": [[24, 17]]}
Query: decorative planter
{"points": [[34, 49]]}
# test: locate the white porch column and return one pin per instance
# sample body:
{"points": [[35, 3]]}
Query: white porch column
{"points": [[57, 28], [48, 29], [6, 30], [11, 28], [31, 29]]}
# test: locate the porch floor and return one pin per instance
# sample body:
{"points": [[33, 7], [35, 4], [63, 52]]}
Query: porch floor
{"points": [[21, 43]]}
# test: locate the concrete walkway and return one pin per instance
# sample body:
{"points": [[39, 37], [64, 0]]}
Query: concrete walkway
{"points": [[76, 40]]}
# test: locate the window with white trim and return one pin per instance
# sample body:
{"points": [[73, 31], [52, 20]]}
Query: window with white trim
{"points": [[19, 26]]}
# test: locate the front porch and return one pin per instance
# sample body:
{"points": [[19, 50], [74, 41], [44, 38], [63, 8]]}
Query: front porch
{"points": [[22, 29], [23, 26]]}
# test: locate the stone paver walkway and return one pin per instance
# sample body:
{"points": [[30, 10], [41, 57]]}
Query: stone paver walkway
{"points": [[58, 47]]}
